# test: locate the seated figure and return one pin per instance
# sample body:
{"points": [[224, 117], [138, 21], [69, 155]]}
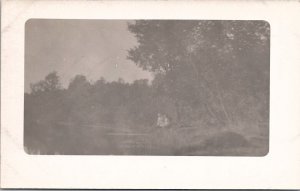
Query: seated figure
{"points": [[162, 120]]}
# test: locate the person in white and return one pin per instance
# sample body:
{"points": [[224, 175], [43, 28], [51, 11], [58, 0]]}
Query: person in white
{"points": [[162, 120]]}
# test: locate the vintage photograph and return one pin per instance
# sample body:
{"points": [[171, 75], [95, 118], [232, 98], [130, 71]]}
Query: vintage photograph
{"points": [[147, 87]]}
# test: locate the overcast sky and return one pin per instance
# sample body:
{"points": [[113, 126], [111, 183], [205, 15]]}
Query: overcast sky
{"points": [[93, 48]]}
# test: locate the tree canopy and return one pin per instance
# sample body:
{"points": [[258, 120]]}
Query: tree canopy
{"points": [[213, 63]]}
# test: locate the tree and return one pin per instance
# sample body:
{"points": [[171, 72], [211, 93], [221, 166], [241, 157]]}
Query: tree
{"points": [[79, 83], [50, 83], [208, 64]]}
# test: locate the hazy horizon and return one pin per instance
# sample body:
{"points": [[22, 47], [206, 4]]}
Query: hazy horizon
{"points": [[94, 48]]}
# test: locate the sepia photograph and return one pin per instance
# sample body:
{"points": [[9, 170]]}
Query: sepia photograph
{"points": [[147, 87], [155, 94]]}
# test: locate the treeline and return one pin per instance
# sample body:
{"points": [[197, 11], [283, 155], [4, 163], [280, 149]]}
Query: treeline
{"points": [[101, 102]]}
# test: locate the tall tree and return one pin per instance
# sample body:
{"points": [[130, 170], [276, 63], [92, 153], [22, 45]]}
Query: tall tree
{"points": [[212, 63]]}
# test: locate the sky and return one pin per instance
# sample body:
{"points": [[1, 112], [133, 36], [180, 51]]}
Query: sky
{"points": [[94, 48]]}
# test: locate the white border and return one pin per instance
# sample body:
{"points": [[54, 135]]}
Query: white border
{"points": [[279, 169]]}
